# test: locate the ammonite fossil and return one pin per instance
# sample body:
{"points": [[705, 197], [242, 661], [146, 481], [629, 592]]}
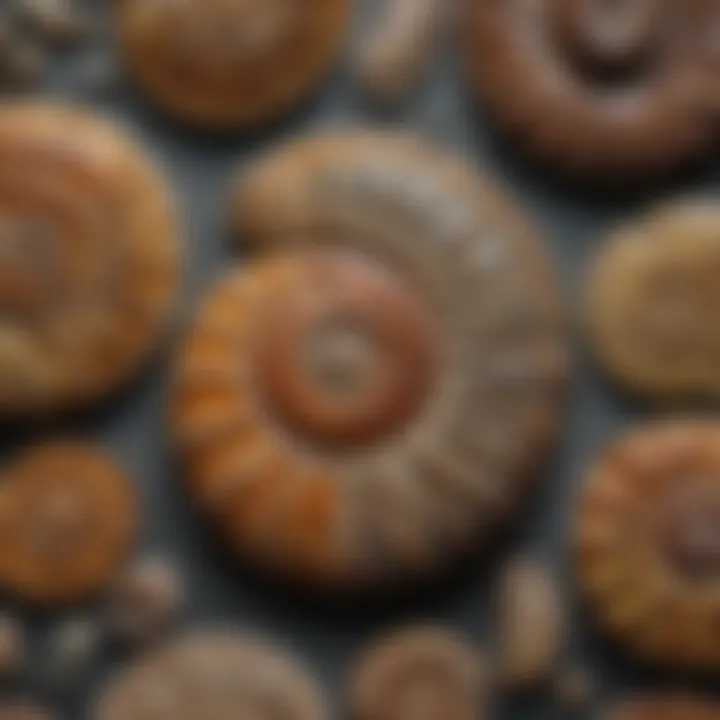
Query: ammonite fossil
{"points": [[212, 674], [654, 299], [229, 64], [67, 519], [648, 543], [666, 707], [359, 408], [88, 258], [424, 671], [613, 90]]}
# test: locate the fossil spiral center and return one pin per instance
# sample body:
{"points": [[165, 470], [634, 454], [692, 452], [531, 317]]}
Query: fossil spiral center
{"points": [[610, 36]]}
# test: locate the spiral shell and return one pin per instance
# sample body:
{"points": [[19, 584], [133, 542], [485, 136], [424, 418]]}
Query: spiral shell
{"points": [[67, 519], [425, 670], [618, 90], [648, 543], [361, 406], [88, 258], [654, 301], [229, 64], [212, 674]]}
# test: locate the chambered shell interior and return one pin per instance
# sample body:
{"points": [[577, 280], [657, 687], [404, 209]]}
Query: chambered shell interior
{"points": [[229, 63], [648, 545], [88, 258], [365, 400], [613, 90], [212, 674]]}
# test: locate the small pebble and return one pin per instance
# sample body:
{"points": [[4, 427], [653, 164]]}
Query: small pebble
{"points": [[12, 647], [72, 648], [574, 688], [146, 600]]}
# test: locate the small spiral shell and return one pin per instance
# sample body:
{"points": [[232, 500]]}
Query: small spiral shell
{"points": [[612, 90], [88, 258], [648, 543], [212, 674], [357, 407], [229, 64]]}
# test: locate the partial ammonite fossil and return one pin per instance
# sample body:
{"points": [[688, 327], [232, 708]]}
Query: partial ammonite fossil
{"points": [[422, 671], [229, 64], [67, 520], [88, 258], [362, 406], [614, 90], [648, 543], [666, 707], [654, 301], [212, 674]]}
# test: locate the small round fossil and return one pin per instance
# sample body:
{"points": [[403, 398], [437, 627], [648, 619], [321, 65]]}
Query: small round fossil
{"points": [[648, 543], [665, 707], [419, 672], [145, 600], [212, 674], [229, 64], [88, 258], [362, 406], [67, 519], [619, 91], [653, 302]]}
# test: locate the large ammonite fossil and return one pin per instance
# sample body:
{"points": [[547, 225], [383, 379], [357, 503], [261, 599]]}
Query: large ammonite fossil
{"points": [[423, 672], [212, 674], [67, 520], [666, 707], [357, 408], [229, 64], [612, 89], [654, 300], [88, 258], [648, 543]]}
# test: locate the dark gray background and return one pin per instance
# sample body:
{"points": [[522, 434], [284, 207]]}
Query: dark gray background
{"points": [[325, 635]]}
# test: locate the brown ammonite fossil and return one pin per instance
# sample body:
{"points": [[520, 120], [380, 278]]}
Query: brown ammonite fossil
{"points": [[653, 301], [648, 543], [67, 521], [426, 672], [229, 64], [666, 707], [212, 674], [88, 258], [609, 89], [361, 406]]}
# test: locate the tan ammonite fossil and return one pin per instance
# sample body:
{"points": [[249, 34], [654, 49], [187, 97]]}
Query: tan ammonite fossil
{"points": [[360, 406], [212, 674], [648, 543], [617, 89], [653, 302], [229, 64], [67, 520], [88, 258], [423, 671], [666, 707]]}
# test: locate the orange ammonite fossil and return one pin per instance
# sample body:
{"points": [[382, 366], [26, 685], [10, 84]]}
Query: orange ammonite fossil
{"points": [[423, 670], [357, 408], [648, 543], [229, 64], [654, 299], [67, 520], [666, 707], [88, 258], [212, 674], [610, 90]]}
